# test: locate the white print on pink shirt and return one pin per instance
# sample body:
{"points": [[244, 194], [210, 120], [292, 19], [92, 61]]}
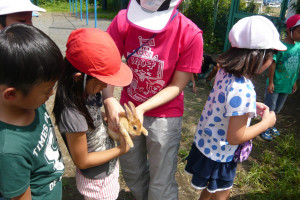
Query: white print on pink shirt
{"points": [[147, 72]]}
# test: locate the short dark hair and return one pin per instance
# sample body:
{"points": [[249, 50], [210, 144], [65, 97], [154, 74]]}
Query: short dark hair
{"points": [[295, 27], [27, 57], [3, 20], [244, 62]]}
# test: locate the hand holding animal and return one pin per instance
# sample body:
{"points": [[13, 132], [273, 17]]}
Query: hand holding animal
{"points": [[130, 125]]}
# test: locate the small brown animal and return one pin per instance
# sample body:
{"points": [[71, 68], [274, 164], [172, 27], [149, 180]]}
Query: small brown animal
{"points": [[130, 125]]}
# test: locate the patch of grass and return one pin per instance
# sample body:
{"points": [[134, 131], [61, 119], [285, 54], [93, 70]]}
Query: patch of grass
{"points": [[65, 183], [65, 7], [276, 174], [183, 153], [55, 6], [106, 14]]}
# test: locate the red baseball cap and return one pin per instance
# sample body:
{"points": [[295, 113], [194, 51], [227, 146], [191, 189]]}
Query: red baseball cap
{"points": [[93, 52], [293, 21]]}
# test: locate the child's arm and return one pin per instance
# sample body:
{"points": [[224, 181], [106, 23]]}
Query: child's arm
{"points": [[25, 196], [194, 84], [271, 77], [112, 108], [77, 144], [178, 83], [238, 132], [294, 87]]}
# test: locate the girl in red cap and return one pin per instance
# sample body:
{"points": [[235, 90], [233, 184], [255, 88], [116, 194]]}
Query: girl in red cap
{"points": [[92, 61]]}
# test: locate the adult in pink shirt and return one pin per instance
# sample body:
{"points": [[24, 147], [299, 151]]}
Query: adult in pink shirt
{"points": [[163, 48]]}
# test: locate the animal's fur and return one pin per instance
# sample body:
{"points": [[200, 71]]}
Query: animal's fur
{"points": [[130, 125]]}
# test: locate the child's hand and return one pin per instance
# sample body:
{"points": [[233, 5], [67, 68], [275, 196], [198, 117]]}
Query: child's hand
{"points": [[294, 87], [124, 147], [112, 111], [194, 89], [260, 108], [269, 117], [140, 113], [270, 88]]}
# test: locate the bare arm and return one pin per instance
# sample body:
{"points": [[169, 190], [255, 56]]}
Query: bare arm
{"points": [[194, 84], [25, 196], [294, 89], [238, 133], [178, 83], [271, 77], [112, 108], [77, 144]]}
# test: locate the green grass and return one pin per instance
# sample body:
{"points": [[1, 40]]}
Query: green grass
{"points": [[275, 174], [65, 7]]}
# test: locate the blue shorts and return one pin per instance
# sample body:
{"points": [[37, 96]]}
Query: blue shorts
{"points": [[209, 174]]}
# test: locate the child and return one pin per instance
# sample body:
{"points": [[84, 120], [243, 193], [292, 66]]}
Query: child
{"points": [[160, 46], [207, 72], [92, 61], [224, 122], [30, 160], [16, 11], [283, 73]]}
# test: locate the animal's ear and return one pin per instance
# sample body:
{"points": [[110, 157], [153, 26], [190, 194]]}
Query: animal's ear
{"points": [[144, 131], [128, 112], [132, 108]]}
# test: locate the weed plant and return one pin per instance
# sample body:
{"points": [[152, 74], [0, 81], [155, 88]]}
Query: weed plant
{"points": [[274, 174]]}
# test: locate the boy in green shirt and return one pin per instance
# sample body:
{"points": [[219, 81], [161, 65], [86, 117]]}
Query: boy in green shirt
{"points": [[283, 72], [30, 160]]}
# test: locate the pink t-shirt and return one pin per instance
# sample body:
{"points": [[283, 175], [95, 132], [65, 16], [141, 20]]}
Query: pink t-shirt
{"points": [[178, 48]]}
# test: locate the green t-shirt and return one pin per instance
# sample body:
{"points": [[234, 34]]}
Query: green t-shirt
{"points": [[287, 68], [30, 156]]}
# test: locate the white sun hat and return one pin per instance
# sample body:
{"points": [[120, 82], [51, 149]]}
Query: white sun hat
{"points": [[15, 6], [255, 32], [151, 15]]}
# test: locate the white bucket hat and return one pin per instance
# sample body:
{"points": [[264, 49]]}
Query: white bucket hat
{"points": [[15, 6], [255, 32], [151, 15]]}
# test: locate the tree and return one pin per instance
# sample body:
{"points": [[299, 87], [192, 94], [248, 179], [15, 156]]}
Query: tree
{"points": [[213, 24]]}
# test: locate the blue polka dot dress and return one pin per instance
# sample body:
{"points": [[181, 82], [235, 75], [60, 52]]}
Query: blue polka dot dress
{"points": [[230, 96]]}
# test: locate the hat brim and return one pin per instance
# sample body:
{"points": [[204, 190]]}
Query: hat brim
{"points": [[149, 20], [15, 8], [279, 46], [122, 78]]}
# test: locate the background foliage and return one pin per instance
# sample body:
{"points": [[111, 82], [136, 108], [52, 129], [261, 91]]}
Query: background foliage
{"points": [[211, 16], [201, 12]]}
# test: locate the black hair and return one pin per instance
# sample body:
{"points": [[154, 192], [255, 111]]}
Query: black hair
{"points": [[244, 62], [3, 20], [70, 94], [27, 57]]}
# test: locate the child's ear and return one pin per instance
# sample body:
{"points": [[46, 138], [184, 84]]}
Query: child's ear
{"points": [[77, 76], [9, 93]]}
